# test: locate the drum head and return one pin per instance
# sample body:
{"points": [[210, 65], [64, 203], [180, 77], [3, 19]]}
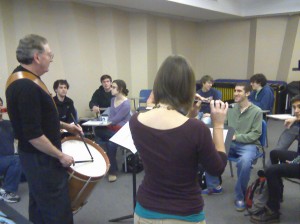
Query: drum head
{"points": [[79, 152]]}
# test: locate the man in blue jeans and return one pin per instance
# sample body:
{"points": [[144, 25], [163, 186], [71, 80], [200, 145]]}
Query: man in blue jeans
{"points": [[246, 119], [10, 167], [284, 164], [291, 133]]}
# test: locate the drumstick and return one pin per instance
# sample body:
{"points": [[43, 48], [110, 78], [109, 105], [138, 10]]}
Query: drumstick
{"points": [[83, 161], [81, 136]]}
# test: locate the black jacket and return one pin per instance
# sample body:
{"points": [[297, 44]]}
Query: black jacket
{"points": [[65, 109], [100, 98]]}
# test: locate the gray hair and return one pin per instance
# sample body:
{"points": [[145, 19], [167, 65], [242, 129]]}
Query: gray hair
{"points": [[28, 46]]}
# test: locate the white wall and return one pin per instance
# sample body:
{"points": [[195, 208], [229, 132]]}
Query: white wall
{"points": [[88, 42]]}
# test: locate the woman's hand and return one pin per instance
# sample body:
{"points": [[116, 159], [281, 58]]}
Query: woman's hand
{"points": [[196, 107], [218, 111]]}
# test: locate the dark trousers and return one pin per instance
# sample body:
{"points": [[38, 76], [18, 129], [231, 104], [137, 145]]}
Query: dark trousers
{"points": [[276, 171], [111, 148], [48, 189]]}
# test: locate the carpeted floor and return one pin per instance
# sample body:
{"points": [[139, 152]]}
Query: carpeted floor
{"points": [[113, 200]]}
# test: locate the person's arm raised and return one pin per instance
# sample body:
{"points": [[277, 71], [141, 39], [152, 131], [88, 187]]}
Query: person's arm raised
{"points": [[218, 111]]}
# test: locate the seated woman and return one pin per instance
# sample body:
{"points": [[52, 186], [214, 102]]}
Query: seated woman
{"points": [[171, 146], [118, 116]]}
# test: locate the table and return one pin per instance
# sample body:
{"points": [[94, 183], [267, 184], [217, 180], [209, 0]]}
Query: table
{"points": [[279, 116]]}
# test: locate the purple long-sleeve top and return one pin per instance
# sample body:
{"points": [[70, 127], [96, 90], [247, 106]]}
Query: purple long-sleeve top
{"points": [[119, 115]]}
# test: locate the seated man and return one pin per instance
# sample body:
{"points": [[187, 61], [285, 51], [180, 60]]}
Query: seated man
{"points": [[207, 93], [289, 167], [64, 104], [246, 119], [10, 166], [262, 94], [102, 96], [291, 133]]}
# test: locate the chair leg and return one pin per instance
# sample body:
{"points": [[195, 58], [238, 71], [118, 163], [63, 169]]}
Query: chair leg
{"points": [[125, 160], [230, 165]]}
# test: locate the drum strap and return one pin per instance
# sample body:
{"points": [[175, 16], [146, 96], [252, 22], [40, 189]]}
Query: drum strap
{"points": [[27, 75]]}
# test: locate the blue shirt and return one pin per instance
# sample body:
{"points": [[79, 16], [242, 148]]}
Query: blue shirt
{"points": [[264, 98], [214, 93], [6, 138]]}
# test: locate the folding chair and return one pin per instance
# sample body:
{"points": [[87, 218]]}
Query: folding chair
{"points": [[144, 95], [259, 154]]}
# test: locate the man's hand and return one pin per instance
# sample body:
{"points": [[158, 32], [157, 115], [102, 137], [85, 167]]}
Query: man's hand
{"points": [[72, 128], [96, 109], [289, 122], [66, 160]]}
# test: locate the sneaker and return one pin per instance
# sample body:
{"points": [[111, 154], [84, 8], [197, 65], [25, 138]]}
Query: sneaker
{"points": [[267, 216], [210, 191], [240, 205], [9, 196], [112, 178]]}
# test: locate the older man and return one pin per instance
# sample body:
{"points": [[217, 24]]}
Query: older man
{"points": [[35, 121]]}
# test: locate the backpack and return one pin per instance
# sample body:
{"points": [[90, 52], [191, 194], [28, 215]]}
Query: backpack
{"points": [[257, 194], [130, 164], [202, 178]]}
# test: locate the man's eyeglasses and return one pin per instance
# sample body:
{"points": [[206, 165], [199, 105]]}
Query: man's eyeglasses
{"points": [[51, 55]]}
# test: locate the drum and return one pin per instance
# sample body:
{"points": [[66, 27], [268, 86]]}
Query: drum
{"points": [[84, 176]]}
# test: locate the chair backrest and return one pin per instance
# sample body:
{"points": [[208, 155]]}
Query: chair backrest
{"points": [[144, 95], [263, 137]]}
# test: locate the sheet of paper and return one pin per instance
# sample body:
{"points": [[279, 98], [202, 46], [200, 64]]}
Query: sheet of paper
{"points": [[225, 131], [123, 138], [96, 123], [279, 116]]}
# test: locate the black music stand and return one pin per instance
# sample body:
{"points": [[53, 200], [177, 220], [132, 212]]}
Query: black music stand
{"points": [[133, 192]]}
